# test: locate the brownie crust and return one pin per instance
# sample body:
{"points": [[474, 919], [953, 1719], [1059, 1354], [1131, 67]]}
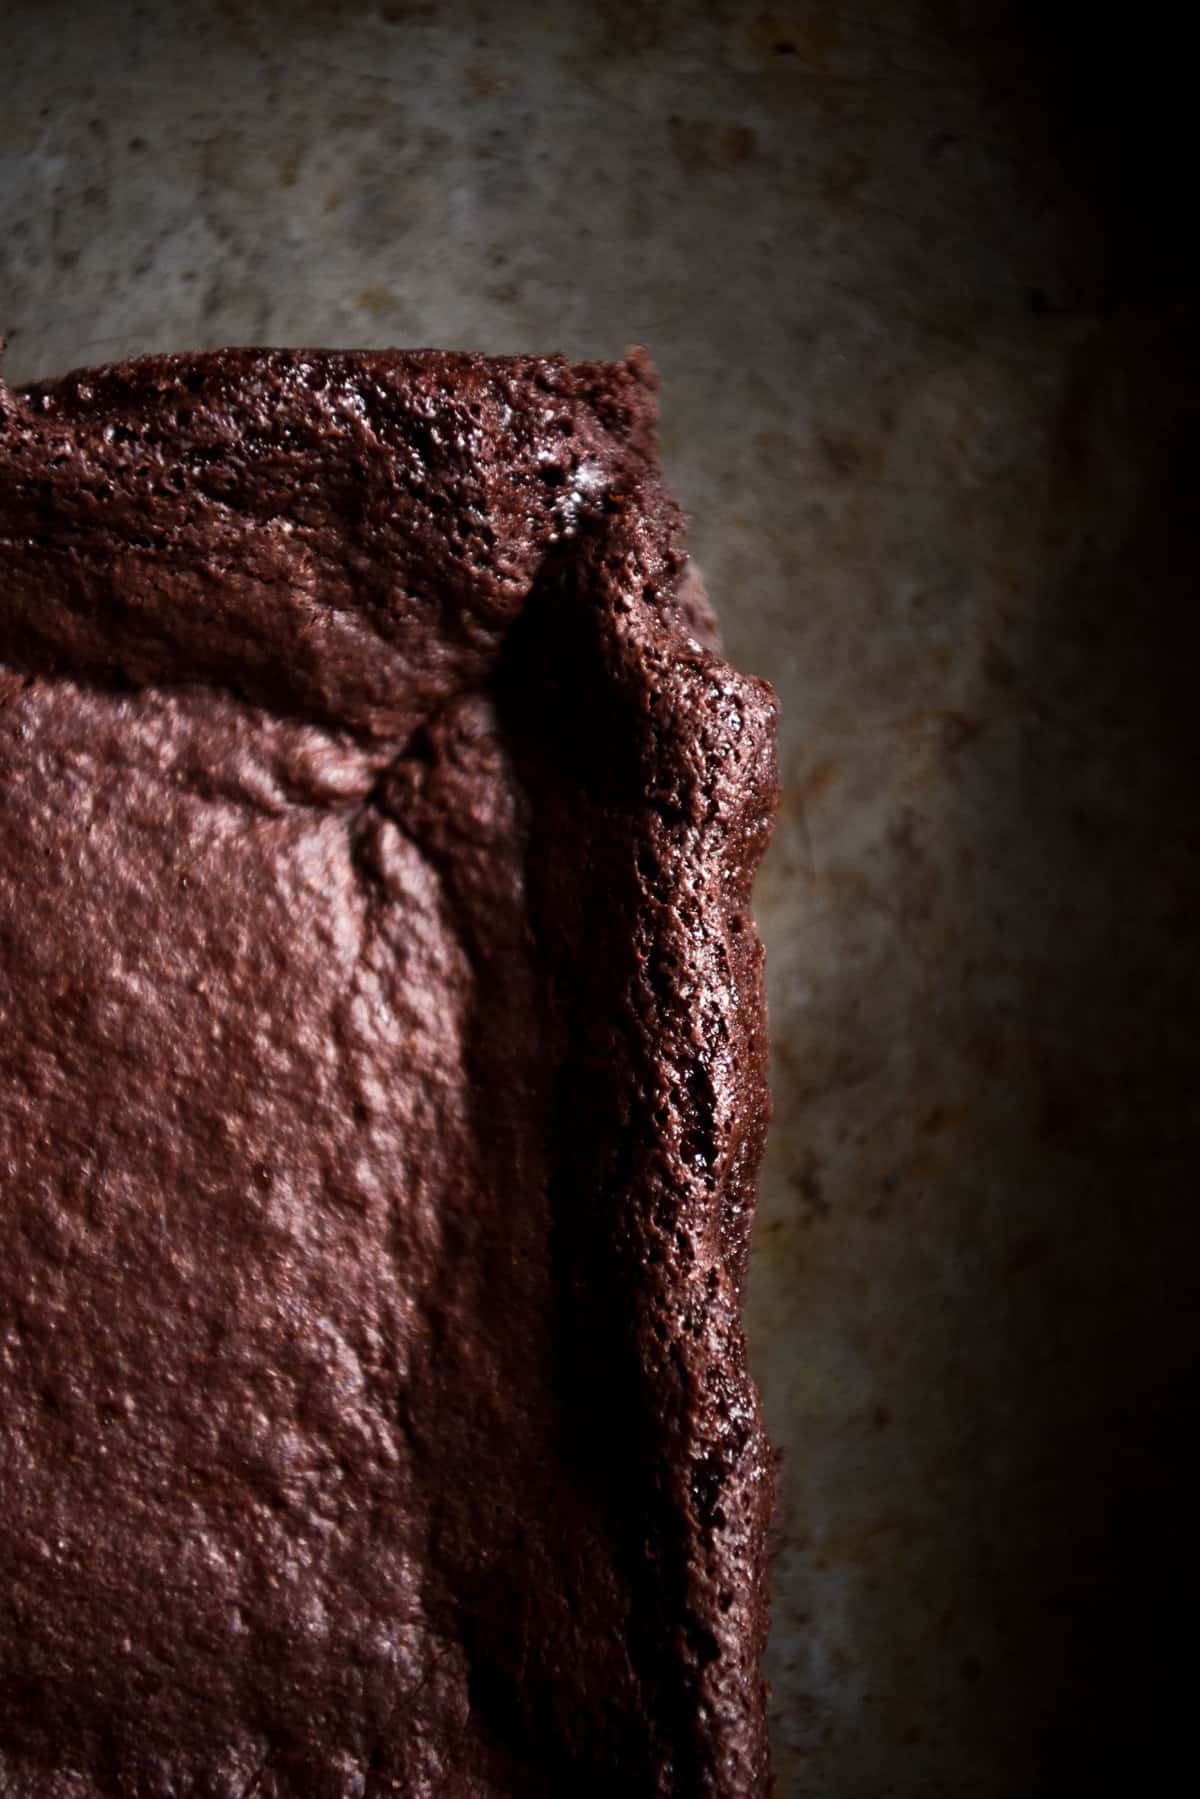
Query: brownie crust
{"points": [[382, 1091]]}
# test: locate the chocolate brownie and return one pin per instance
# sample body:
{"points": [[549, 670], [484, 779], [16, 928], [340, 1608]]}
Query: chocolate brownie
{"points": [[382, 1090]]}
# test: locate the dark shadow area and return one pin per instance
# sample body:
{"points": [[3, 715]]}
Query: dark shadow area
{"points": [[1097, 1577], [1109, 796], [1086, 1566], [1119, 103]]}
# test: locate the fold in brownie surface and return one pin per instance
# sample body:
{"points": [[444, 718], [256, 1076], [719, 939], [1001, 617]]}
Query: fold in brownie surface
{"points": [[381, 1092]]}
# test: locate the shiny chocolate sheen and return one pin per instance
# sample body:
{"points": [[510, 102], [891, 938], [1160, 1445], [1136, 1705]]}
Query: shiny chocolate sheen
{"points": [[382, 1091]]}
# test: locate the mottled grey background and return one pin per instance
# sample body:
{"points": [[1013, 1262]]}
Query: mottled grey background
{"points": [[918, 278]]}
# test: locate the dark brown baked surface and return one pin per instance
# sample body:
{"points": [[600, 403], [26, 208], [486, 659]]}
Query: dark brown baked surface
{"points": [[382, 1089]]}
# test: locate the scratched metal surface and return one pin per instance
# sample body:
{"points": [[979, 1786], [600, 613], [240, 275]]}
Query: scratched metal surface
{"points": [[934, 467]]}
